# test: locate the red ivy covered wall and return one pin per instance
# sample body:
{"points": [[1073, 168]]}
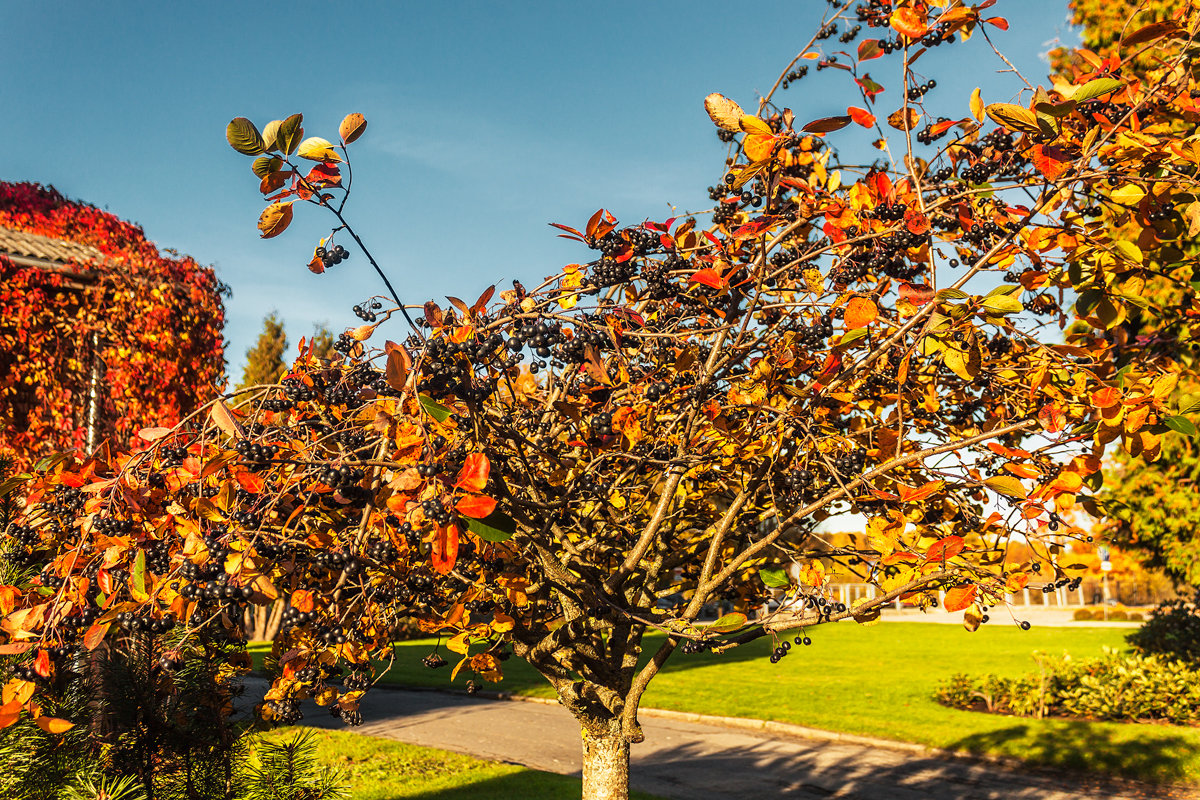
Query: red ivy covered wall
{"points": [[158, 317]]}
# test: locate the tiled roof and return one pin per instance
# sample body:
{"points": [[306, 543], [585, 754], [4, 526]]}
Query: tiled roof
{"points": [[45, 249]]}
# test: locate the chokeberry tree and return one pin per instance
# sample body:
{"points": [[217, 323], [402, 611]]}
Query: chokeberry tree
{"points": [[928, 334]]}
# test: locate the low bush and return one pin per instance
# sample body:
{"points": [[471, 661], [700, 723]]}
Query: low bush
{"points": [[1172, 630], [1118, 614], [1116, 686], [1082, 615]]}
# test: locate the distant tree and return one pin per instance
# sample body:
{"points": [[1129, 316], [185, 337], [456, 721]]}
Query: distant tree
{"points": [[322, 344], [264, 361]]}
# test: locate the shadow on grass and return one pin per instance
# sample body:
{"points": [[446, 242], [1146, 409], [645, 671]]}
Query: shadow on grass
{"points": [[1154, 753], [528, 785]]}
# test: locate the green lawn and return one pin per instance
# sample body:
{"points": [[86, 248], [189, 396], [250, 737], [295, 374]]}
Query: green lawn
{"points": [[380, 769], [879, 681]]}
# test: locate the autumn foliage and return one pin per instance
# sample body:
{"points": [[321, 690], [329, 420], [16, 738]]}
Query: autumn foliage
{"points": [[934, 342], [158, 318]]}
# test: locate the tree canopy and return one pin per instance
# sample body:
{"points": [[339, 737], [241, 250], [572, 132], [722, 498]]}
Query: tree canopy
{"points": [[931, 333]]}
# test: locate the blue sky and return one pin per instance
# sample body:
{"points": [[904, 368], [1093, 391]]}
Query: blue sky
{"points": [[486, 122]]}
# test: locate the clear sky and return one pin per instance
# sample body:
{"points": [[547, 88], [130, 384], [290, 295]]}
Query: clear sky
{"points": [[487, 120]]}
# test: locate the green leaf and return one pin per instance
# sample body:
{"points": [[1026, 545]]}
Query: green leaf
{"points": [[849, 337], [1189, 403], [1093, 89], [290, 134], [138, 576], [774, 578], [265, 165], [270, 135], [952, 294], [1056, 110], [1181, 425], [728, 622], [496, 527], [50, 462], [435, 409], [1002, 304], [1006, 485], [244, 137]]}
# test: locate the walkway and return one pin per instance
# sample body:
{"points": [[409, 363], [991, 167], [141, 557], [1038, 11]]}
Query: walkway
{"points": [[682, 759]]}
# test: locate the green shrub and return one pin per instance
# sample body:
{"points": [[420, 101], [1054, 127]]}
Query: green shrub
{"points": [[1173, 630], [1115, 686]]}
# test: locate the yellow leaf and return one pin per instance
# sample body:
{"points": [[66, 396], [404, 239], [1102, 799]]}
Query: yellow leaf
{"points": [[315, 148], [977, 105], [352, 127], [274, 219], [752, 124], [54, 724]]}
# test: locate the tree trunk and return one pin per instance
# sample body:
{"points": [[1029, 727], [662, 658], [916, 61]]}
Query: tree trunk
{"points": [[605, 763]]}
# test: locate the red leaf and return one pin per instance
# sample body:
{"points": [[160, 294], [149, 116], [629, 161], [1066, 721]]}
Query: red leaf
{"points": [[999, 22], [568, 229], [756, 226], [868, 49], [476, 506], [41, 664], [474, 474], [908, 495], [916, 293], [826, 125], [960, 597], [833, 362], [869, 87], [882, 184], [708, 277], [944, 549], [1050, 161], [861, 116], [1052, 418], [915, 221], [1107, 397], [445, 548]]}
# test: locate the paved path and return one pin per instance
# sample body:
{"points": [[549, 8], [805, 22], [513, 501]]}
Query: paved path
{"points": [[706, 762]]}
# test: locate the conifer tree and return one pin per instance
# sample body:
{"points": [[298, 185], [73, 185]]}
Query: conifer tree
{"points": [[264, 361]]}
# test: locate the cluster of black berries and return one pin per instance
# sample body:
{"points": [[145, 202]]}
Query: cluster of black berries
{"points": [[1107, 110], [795, 75], [332, 634], [927, 136], [158, 556], [610, 272], [658, 279], [724, 212], [433, 661], [1161, 214], [797, 482], [351, 716], [294, 617], [255, 454], [345, 343], [691, 647], [216, 590], [111, 526], [851, 463], [875, 14], [172, 456], [246, 518], [286, 711], [938, 34], [657, 391], [643, 240], [297, 390], [602, 424], [849, 34], [367, 312], [144, 623], [330, 258], [334, 477], [785, 647], [383, 551], [356, 681], [170, 662], [435, 511], [813, 337]]}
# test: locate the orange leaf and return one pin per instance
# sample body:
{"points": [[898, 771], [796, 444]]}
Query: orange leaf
{"points": [[999, 22], [910, 22], [302, 600], [861, 116], [153, 434], [250, 481], [759, 146], [915, 221], [944, 549], [860, 312], [94, 635], [908, 495], [476, 506], [1107, 397], [1052, 418], [708, 277], [54, 724], [1070, 482], [474, 475], [8, 599], [960, 597], [1050, 161], [445, 549], [9, 713]]}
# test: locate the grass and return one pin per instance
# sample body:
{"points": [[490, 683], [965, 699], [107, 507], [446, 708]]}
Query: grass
{"points": [[879, 681], [380, 769]]}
